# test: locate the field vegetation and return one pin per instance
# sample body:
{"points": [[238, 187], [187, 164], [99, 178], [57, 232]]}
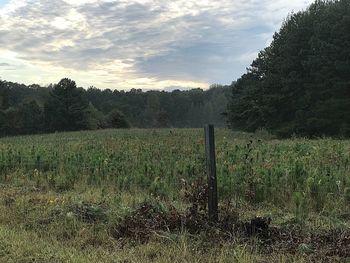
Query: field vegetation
{"points": [[119, 195]]}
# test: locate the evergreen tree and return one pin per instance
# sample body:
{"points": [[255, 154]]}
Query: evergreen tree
{"points": [[300, 84], [66, 109]]}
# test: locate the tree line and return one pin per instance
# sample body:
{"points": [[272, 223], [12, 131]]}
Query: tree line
{"points": [[300, 84], [66, 107]]}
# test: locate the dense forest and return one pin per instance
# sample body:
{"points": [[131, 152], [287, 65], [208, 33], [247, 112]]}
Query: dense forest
{"points": [[300, 84], [66, 107]]}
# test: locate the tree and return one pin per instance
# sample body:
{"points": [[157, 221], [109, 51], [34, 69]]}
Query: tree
{"points": [[66, 109], [31, 118], [12, 124], [116, 119], [4, 95], [300, 83], [96, 119]]}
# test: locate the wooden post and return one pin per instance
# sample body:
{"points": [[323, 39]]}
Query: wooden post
{"points": [[211, 171]]}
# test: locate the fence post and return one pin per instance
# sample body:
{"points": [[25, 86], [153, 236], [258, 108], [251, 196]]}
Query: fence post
{"points": [[211, 171]]}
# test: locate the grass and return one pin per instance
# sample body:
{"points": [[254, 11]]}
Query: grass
{"points": [[21, 246], [27, 234], [60, 194]]}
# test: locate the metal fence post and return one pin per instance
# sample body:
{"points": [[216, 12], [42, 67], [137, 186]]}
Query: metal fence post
{"points": [[211, 171]]}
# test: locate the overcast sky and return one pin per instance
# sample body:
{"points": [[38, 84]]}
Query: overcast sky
{"points": [[127, 44]]}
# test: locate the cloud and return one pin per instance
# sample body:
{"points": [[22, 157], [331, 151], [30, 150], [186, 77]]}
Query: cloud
{"points": [[5, 65], [139, 43]]}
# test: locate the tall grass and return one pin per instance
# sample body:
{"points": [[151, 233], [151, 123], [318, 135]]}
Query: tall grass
{"points": [[305, 175]]}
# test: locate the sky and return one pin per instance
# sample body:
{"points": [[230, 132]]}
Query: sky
{"points": [[124, 44]]}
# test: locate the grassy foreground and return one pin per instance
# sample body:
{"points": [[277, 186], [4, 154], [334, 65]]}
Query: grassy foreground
{"points": [[63, 195]]}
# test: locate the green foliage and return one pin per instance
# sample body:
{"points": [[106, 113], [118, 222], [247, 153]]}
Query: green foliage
{"points": [[300, 207], [117, 119], [31, 117], [66, 107], [162, 162], [4, 95], [300, 83], [347, 194], [95, 119]]}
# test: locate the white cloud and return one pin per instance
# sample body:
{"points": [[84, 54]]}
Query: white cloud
{"points": [[139, 43]]}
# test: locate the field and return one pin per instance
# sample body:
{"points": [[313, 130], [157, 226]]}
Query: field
{"points": [[139, 195]]}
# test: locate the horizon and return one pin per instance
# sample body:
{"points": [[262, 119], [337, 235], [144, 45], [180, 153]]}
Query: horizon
{"points": [[141, 44]]}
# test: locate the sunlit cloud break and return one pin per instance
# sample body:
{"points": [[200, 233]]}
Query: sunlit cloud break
{"points": [[135, 44]]}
